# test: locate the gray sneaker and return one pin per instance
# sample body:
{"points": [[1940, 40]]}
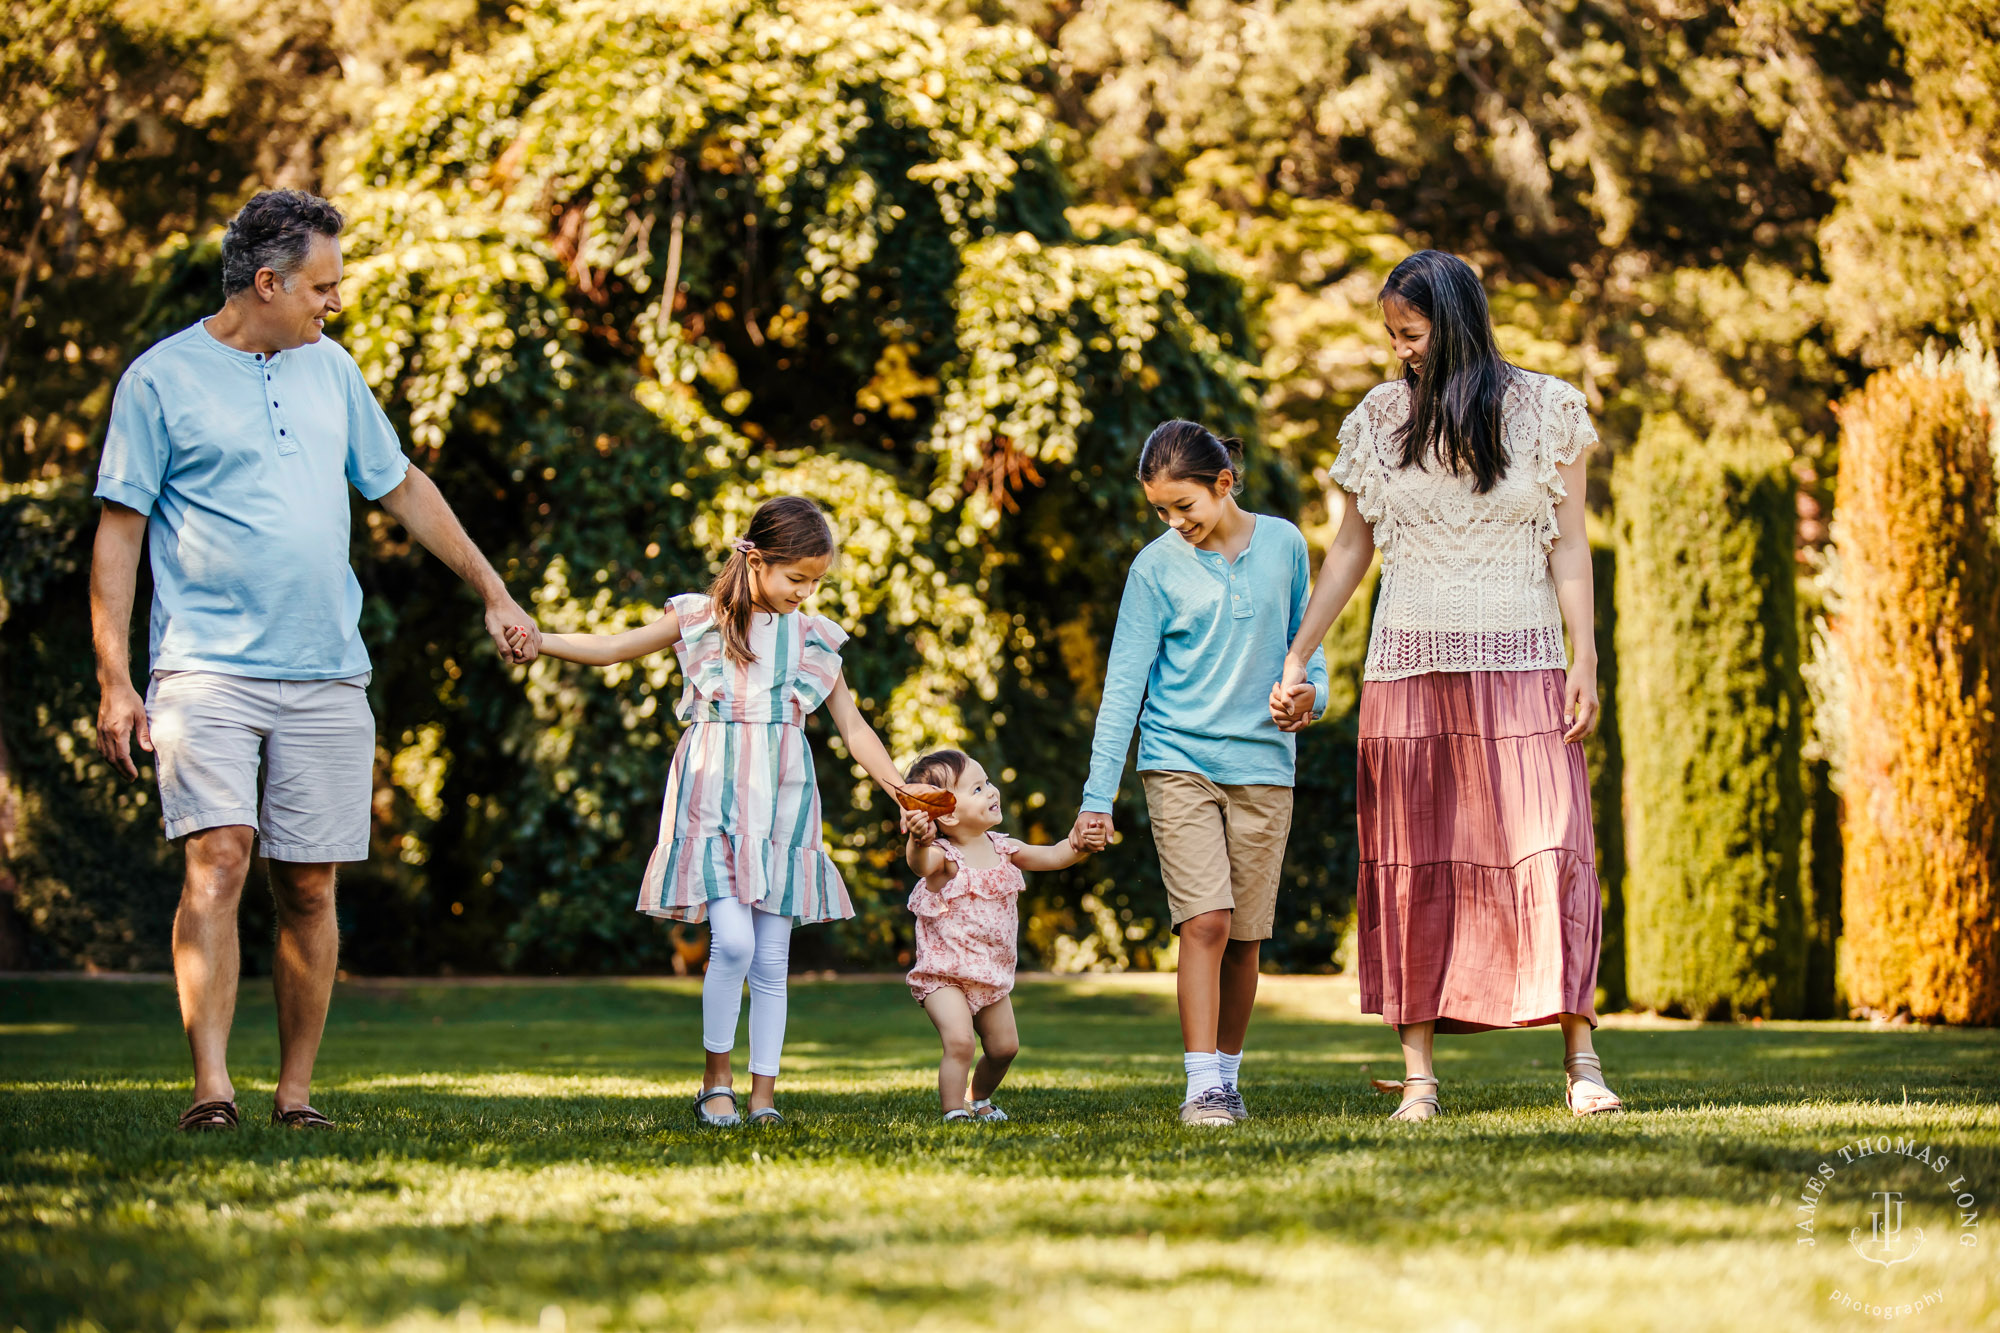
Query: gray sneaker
{"points": [[1209, 1108], [1237, 1110]]}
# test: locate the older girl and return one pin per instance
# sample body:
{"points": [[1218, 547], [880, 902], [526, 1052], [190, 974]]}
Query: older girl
{"points": [[1208, 609], [1478, 896]]}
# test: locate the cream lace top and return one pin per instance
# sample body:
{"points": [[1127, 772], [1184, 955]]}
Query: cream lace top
{"points": [[1465, 577]]}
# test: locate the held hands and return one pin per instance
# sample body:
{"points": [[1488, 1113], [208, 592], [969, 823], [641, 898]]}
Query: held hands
{"points": [[918, 826], [1580, 706], [121, 720], [1092, 831], [522, 644], [1292, 697], [514, 631]]}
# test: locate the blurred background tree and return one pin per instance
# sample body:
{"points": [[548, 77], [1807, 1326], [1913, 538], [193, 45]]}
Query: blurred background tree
{"points": [[1718, 221]]}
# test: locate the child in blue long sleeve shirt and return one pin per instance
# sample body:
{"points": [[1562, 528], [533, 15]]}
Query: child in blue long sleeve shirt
{"points": [[1208, 613]]}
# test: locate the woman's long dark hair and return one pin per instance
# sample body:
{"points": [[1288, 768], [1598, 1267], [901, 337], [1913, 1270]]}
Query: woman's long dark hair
{"points": [[783, 531], [1455, 402]]}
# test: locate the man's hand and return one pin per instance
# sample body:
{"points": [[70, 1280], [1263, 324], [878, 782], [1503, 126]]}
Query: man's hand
{"points": [[121, 719], [514, 631], [1092, 831]]}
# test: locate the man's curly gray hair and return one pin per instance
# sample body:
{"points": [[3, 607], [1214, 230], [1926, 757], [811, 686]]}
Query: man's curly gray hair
{"points": [[274, 230]]}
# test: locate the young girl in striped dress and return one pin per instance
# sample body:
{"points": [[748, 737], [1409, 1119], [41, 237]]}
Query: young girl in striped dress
{"points": [[740, 829]]}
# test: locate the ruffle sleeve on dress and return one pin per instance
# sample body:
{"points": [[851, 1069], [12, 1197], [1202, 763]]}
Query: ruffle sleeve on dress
{"points": [[1566, 431], [819, 661], [700, 650], [969, 883]]}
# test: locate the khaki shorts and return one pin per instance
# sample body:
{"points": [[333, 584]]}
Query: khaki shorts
{"points": [[1221, 848], [314, 739]]}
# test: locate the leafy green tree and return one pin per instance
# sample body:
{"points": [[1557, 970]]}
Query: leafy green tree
{"points": [[639, 266]]}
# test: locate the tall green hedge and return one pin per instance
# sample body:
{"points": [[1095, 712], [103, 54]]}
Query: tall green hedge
{"points": [[1604, 755], [1710, 701]]}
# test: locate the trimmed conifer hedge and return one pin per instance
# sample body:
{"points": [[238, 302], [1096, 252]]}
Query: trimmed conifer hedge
{"points": [[1604, 754], [1709, 702], [1917, 628]]}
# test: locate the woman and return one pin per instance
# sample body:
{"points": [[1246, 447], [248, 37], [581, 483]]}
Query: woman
{"points": [[1478, 890]]}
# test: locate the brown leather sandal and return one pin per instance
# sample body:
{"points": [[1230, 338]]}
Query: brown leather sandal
{"points": [[301, 1117], [205, 1116]]}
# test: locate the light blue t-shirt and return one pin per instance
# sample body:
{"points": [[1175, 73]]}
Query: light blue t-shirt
{"points": [[1201, 641], [242, 462]]}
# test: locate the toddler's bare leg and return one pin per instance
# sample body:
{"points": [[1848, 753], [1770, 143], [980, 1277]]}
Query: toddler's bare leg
{"points": [[999, 1042], [952, 1017]]}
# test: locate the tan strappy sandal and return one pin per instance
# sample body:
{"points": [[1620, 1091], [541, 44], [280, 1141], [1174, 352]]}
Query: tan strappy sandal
{"points": [[1404, 1112], [1585, 1070]]}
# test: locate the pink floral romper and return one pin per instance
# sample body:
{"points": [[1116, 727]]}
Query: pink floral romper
{"points": [[967, 930]]}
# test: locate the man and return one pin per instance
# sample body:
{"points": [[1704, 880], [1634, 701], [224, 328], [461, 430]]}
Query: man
{"points": [[232, 444]]}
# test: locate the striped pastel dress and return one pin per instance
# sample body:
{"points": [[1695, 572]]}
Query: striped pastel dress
{"points": [[742, 815]]}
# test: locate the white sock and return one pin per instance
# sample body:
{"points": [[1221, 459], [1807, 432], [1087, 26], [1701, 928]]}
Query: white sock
{"points": [[1231, 1066], [1203, 1072]]}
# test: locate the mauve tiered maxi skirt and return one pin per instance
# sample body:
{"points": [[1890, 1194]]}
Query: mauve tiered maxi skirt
{"points": [[1478, 899]]}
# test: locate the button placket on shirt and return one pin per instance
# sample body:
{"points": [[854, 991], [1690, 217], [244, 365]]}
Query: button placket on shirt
{"points": [[1242, 606], [281, 430]]}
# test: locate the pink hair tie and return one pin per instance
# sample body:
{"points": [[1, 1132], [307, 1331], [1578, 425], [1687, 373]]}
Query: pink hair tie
{"points": [[744, 544]]}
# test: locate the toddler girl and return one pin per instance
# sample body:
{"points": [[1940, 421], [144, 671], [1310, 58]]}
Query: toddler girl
{"points": [[967, 924], [740, 828]]}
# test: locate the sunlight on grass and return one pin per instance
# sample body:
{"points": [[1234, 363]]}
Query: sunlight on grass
{"points": [[524, 1158]]}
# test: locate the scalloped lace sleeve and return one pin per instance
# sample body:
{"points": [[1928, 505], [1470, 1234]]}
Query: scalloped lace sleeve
{"points": [[1566, 431], [1357, 468]]}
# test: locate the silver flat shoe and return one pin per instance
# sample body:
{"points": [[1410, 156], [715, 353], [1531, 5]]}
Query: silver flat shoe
{"points": [[706, 1120], [770, 1115]]}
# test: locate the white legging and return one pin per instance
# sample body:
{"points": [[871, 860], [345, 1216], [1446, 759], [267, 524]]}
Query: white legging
{"points": [[743, 941]]}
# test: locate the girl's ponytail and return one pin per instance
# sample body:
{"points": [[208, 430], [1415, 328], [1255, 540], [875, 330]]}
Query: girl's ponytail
{"points": [[783, 531]]}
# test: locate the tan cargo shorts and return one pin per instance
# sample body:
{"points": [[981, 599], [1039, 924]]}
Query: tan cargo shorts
{"points": [[1222, 848], [313, 739]]}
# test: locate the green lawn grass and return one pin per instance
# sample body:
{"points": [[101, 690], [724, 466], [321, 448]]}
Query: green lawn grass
{"points": [[524, 1156]]}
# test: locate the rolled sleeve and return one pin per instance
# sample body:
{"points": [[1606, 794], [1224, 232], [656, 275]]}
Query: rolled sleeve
{"points": [[136, 446], [376, 464]]}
